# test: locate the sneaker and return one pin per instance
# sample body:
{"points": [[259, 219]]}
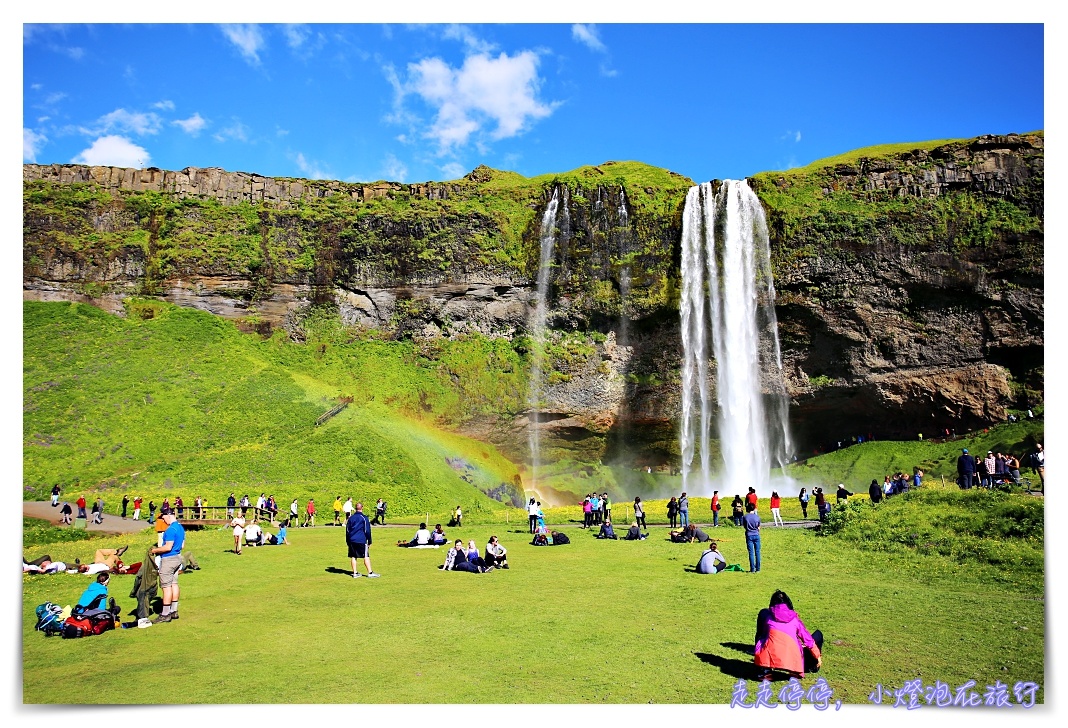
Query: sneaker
{"points": [[356, 575], [162, 618], [490, 568], [174, 616], [373, 575], [505, 566]]}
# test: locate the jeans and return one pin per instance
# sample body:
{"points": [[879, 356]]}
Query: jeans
{"points": [[752, 543], [684, 517], [715, 518]]}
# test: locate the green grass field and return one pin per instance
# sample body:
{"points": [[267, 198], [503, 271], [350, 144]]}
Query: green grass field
{"points": [[591, 622]]}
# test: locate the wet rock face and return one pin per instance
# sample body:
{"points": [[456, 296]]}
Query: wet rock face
{"points": [[895, 323]]}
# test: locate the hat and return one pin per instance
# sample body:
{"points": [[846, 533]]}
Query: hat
{"points": [[165, 511], [989, 452], [964, 450]]}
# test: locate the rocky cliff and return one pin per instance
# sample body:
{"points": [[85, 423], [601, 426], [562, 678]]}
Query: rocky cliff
{"points": [[909, 281]]}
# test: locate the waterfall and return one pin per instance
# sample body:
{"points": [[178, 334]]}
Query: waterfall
{"points": [[724, 237], [547, 239], [624, 270]]}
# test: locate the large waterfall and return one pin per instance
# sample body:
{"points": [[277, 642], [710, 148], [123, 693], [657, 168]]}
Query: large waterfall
{"points": [[725, 237], [548, 238]]}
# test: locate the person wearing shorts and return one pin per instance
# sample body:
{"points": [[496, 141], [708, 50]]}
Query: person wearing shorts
{"points": [[358, 538], [170, 562], [238, 524]]}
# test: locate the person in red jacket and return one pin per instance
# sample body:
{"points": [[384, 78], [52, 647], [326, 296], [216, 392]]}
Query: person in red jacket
{"points": [[775, 503], [81, 506], [715, 509], [309, 516], [751, 497]]}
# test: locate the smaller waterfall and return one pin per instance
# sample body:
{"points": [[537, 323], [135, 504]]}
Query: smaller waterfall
{"points": [[624, 271], [538, 329]]}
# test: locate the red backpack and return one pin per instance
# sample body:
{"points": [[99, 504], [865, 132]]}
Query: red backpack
{"points": [[88, 622]]}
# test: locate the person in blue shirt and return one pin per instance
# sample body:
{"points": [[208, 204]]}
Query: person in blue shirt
{"points": [[751, 522], [170, 553], [280, 539], [98, 590], [358, 537]]}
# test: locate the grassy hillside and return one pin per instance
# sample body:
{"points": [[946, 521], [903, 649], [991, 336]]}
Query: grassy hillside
{"points": [[176, 401]]}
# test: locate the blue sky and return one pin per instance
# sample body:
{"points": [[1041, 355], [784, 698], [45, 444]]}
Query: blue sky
{"points": [[430, 102]]}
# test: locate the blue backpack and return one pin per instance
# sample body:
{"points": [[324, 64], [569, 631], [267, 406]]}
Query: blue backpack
{"points": [[48, 619]]}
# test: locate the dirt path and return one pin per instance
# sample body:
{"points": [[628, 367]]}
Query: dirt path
{"points": [[111, 524]]}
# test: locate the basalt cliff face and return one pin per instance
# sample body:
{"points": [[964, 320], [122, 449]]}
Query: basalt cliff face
{"points": [[909, 284]]}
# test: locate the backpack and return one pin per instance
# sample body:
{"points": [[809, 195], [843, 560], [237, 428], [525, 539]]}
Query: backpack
{"points": [[88, 622], [48, 619]]}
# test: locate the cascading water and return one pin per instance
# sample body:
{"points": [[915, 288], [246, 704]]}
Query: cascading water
{"points": [[725, 236], [547, 240], [624, 271]]}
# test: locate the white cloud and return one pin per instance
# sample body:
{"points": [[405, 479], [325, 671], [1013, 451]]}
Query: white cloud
{"points": [[280, 132], [54, 98], [467, 36], [165, 105], [237, 131], [393, 169], [452, 170], [311, 170], [500, 92], [296, 34], [36, 86], [31, 144], [587, 35], [798, 138], [791, 134], [247, 37], [75, 53], [121, 120], [113, 151], [192, 125]]}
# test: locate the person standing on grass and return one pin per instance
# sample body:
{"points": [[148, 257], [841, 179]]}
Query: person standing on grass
{"points": [[81, 506], [684, 511], [776, 503], [639, 513], [245, 505], [151, 511], [532, 515], [1038, 465], [803, 498], [587, 512], [458, 516], [822, 506], [965, 470], [337, 511], [309, 514], [347, 509], [125, 503], [170, 552], [294, 513], [737, 509], [715, 509], [875, 493], [231, 503], [751, 522], [841, 495], [751, 497], [55, 495], [672, 511], [358, 538], [137, 508], [238, 524]]}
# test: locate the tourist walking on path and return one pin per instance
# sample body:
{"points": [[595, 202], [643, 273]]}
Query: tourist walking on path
{"points": [[822, 506], [380, 513], [803, 498], [309, 514], [776, 503], [751, 522], [98, 511], [56, 491], [715, 509], [347, 509], [151, 511], [231, 503], [358, 539], [965, 470], [639, 513], [137, 508], [737, 509], [170, 562], [294, 513], [532, 515], [1038, 465], [65, 513], [125, 503], [672, 511], [246, 504], [684, 511], [337, 511], [81, 506]]}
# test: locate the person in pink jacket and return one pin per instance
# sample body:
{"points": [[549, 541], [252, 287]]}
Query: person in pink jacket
{"points": [[783, 643]]}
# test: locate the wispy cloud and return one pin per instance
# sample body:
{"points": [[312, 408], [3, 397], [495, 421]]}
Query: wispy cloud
{"points": [[311, 169], [492, 97], [113, 151], [467, 36], [248, 38], [296, 34], [165, 105], [394, 170], [237, 131], [791, 134], [192, 125], [31, 144], [452, 170], [121, 120], [587, 35], [590, 36]]}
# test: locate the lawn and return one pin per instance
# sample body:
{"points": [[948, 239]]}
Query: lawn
{"points": [[590, 622]]}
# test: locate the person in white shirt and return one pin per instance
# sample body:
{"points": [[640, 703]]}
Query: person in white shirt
{"points": [[712, 561], [238, 524], [422, 537], [347, 508], [496, 555], [253, 535]]}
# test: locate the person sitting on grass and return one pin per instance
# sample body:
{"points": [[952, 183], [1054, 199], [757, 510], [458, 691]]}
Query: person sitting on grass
{"points": [[421, 538], [634, 533], [606, 530], [96, 594], [438, 538], [254, 535], [280, 539], [689, 534], [711, 561], [456, 560], [783, 643], [496, 555]]}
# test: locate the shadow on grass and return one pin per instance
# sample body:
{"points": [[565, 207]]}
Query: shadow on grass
{"points": [[739, 646], [741, 669], [335, 570]]}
